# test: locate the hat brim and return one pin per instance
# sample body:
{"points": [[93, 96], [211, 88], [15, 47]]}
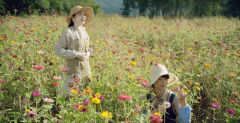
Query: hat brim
{"points": [[87, 10], [173, 79]]}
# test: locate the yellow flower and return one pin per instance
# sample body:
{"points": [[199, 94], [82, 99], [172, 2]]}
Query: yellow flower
{"points": [[80, 106], [27, 110], [198, 88], [208, 65], [157, 114], [133, 63], [190, 49], [97, 95], [96, 100], [74, 91], [196, 83], [106, 114], [130, 77], [70, 112], [232, 75], [198, 75], [12, 42], [239, 117]]}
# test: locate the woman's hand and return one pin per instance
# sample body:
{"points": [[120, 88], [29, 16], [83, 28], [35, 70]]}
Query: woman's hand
{"points": [[81, 56], [182, 98]]}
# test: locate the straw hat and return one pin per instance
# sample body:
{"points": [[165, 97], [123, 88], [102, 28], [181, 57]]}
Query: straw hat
{"points": [[87, 10], [160, 70]]}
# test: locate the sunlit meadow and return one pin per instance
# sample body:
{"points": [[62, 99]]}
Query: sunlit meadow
{"points": [[203, 52]]}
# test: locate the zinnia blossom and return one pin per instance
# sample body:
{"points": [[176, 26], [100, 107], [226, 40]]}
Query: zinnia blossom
{"points": [[214, 105], [96, 100], [57, 78], [124, 97], [231, 111], [106, 114], [85, 102], [145, 83], [38, 67], [2, 80], [48, 100], [155, 118], [36, 94], [65, 69]]}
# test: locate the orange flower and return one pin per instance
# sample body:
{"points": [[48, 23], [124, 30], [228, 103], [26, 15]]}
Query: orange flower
{"points": [[233, 101], [55, 83], [87, 91]]}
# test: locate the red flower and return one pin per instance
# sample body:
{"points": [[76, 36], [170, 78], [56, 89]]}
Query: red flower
{"points": [[155, 119], [233, 101], [124, 97], [55, 83]]}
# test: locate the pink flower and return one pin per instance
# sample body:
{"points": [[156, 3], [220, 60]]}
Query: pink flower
{"points": [[85, 102], [145, 83], [167, 104], [231, 111], [40, 52], [214, 105], [155, 119], [75, 106], [57, 78], [36, 94], [124, 97], [118, 115], [48, 100], [38, 67], [65, 69], [71, 84], [176, 88], [2, 80]]}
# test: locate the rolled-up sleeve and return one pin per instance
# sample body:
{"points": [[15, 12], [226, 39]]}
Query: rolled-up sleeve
{"points": [[185, 114], [60, 48]]}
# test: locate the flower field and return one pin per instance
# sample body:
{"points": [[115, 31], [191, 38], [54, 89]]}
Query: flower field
{"points": [[203, 52]]}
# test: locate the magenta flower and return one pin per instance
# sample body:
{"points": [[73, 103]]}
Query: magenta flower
{"points": [[65, 69], [2, 80], [86, 102], [231, 111], [48, 100], [36, 94], [101, 97], [145, 83], [38, 67], [124, 97], [214, 105]]}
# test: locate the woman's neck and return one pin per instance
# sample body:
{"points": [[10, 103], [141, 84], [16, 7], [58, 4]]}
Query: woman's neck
{"points": [[159, 94], [77, 26]]}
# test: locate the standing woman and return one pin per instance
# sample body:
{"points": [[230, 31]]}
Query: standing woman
{"points": [[73, 46]]}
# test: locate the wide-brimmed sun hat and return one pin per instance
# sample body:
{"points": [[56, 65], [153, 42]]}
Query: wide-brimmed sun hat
{"points": [[87, 10], [160, 70]]}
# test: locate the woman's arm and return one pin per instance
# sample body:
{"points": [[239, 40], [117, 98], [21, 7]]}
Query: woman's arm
{"points": [[60, 48]]}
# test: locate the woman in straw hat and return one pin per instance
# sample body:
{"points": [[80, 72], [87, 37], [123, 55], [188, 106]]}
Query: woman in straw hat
{"points": [[73, 46], [177, 109]]}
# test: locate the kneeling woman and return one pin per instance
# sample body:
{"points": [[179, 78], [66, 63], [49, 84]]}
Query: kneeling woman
{"points": [[179, 110]]}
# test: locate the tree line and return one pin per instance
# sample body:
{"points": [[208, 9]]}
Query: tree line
{"points": [[43, 6], [185, 8]]}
